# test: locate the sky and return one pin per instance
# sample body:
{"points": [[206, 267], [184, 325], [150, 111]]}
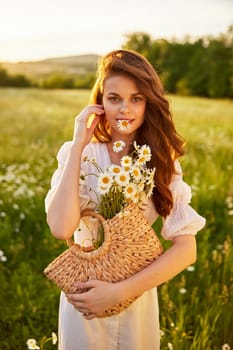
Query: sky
{"points": [[38, 29]]}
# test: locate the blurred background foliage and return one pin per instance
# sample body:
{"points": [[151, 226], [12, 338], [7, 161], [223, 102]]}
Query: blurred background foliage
{"points": [[199, 67]]}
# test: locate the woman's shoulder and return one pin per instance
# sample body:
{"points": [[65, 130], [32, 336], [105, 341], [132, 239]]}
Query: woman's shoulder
{"points": [[98, 150]]}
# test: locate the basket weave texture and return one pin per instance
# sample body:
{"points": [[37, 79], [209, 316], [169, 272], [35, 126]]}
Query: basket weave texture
{"points": [[130, 244]]}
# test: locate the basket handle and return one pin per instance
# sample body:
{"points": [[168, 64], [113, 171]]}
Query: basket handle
{"points": [[87, 212]]}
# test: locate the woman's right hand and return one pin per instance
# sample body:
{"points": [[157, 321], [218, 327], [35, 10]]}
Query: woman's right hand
{"points": [[82, 132]]}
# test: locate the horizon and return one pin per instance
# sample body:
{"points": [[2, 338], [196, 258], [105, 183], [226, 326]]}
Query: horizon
{"points": [[44, 58]]}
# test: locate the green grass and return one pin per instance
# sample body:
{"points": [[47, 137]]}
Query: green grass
{"points": [[34, 123]]}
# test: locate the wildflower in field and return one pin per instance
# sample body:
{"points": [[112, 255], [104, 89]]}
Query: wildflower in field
{"points": [[31, 344], [190, 268], [229, 202], [182, 290], [230, 212], [3, 258], [161, 333], [170, 346], [118, 146], [226, 347], [54, 338], [2, 214], [22, 216], [123, 125]]}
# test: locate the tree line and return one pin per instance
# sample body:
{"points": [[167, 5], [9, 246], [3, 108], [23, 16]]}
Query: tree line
{"points": [[201, 67]]}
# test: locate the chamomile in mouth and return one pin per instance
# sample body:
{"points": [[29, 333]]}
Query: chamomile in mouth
{"points": [[123, 124]]}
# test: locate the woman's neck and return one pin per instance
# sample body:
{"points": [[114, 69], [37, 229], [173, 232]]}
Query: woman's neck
{"points": [[115, 157]]}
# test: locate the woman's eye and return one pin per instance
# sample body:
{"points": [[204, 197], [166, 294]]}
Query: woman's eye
{"points": [[114, 99], [137, 99]]}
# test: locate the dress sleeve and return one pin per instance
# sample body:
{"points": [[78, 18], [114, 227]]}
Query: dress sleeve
{"points": [[183, 219], [62, 156]]}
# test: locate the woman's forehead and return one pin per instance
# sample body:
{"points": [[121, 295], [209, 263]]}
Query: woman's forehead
{"points": [[120, 83]]}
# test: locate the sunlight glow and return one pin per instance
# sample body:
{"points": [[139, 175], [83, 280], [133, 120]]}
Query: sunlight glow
{"points": [[32, 30]]}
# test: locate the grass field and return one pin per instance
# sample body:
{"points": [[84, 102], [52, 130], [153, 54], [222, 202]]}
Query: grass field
{"points": [[196, 306]]}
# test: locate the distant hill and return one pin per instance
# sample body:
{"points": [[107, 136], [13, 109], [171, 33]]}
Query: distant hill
{"points": [[74, 66]]}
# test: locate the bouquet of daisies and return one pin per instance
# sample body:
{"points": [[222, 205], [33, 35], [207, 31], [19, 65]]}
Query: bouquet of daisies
{"points": [[129, 182], [125, 243]]}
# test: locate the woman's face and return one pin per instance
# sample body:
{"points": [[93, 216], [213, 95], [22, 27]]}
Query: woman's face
{"points": [[122, 102]]}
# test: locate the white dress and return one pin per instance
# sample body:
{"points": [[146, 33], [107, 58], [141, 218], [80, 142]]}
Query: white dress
{"points": [[136, 328]]}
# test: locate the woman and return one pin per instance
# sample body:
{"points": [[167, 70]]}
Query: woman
{"points": [[127, 92]]}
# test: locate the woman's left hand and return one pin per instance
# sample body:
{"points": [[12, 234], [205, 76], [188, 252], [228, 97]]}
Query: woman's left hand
{"points": [[97, 297]]}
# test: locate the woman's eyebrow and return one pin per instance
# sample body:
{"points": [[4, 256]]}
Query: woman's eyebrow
{"points": [[116, 94]]}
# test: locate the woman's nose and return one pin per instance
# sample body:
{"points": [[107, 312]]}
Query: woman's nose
{"points": [[124, 107]]}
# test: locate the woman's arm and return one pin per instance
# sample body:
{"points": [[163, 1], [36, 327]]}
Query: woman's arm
{"points": [[63, 214], [103, 295]]}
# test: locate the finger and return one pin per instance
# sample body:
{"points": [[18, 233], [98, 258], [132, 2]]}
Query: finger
{"points": [[94, 122], [75, 298], [86, 285], [90, 110]]}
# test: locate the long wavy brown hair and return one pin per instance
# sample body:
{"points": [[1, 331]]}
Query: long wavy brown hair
{"points": [[157, 131]]}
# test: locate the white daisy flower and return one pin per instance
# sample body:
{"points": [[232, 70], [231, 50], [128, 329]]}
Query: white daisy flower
{"points": [[104, 183], [130, 191], [190, 268], [123, 124], [145, 152], [122, 179], [136, 173], [54, 338], [182, 290], [126, 161], [141, 160], [170, 346], [127, 168], [114, 169], [31, 343], [118, 146]]}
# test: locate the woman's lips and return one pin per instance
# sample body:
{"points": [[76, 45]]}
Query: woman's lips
{"points": [[128, 120]]}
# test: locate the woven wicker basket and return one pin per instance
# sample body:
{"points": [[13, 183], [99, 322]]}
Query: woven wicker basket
{"points": [[130, 244]]}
